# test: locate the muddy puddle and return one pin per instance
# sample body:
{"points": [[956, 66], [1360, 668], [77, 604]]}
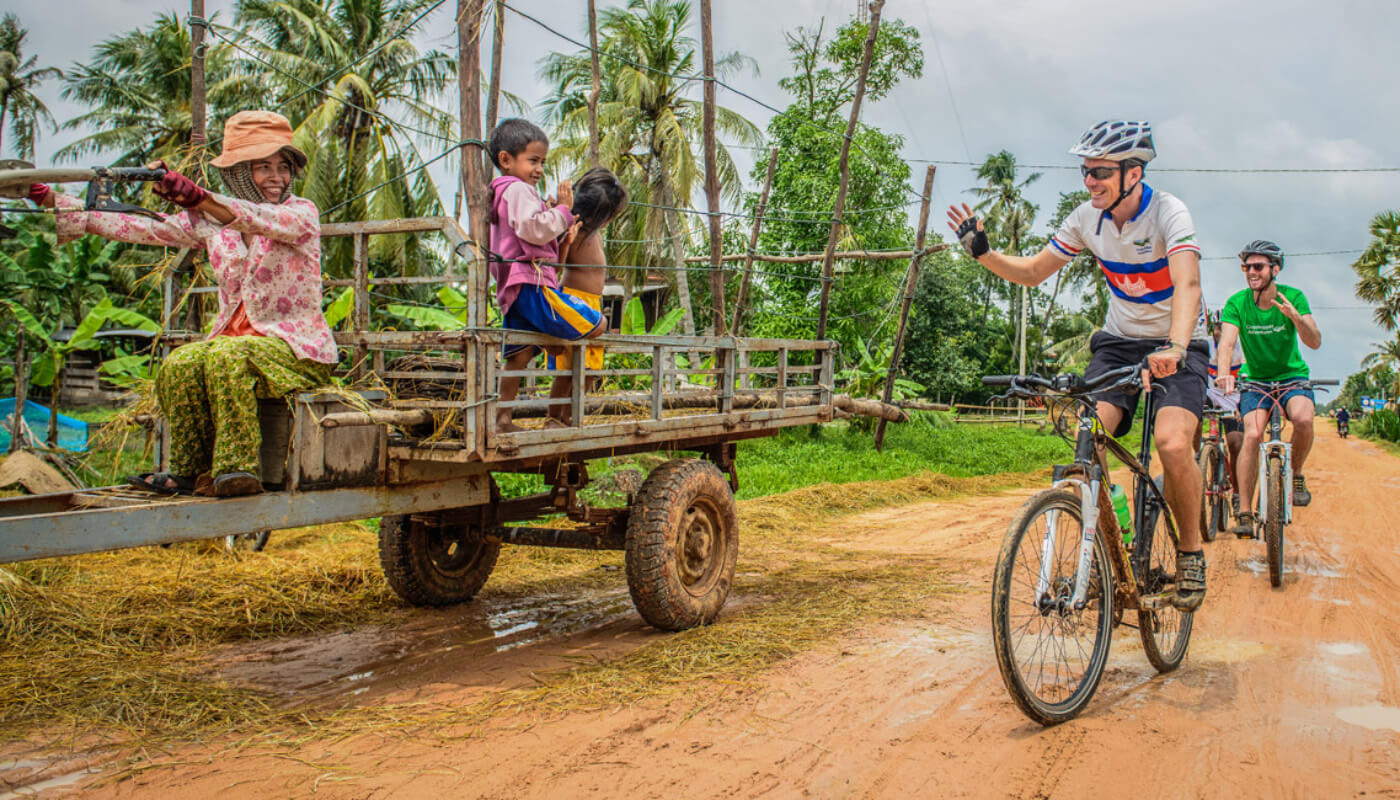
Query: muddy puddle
{"points": [[479, 644]]}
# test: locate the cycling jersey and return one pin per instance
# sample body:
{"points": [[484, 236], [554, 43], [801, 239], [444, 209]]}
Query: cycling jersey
{"points": [[1268, 338], [1134, 261]]}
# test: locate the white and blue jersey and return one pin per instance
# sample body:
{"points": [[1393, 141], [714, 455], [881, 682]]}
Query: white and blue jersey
{"points": [[1134, 261]]}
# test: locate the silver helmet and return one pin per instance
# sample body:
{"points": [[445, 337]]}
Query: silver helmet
{"points": [[1117, 140]]}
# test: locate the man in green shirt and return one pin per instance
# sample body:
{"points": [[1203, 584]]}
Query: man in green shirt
{"points": [[1268, 319]]}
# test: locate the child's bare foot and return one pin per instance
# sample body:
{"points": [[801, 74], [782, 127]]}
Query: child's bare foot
{"points": [[506, 426]]}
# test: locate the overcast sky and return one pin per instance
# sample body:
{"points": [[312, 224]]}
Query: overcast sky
{"points": [[1233, 84]]}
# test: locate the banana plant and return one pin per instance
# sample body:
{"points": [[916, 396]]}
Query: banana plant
{"points": [[451, 317], [47, 369]]}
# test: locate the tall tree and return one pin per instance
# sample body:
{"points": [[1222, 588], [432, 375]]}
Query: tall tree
{"points": [[137, 93], [20, 108], [1008, 215], [649, 121], [1378, 270], [807, 138], [340, 70], [1383, 365]]}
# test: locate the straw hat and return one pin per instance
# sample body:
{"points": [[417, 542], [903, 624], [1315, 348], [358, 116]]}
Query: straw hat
{"points": [[251, 135]]}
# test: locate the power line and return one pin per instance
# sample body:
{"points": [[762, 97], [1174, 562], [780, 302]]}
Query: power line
{"points": [[1198, 170]]}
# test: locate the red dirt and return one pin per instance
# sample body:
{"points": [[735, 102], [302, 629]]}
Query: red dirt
{"points": [[1290, 692]]}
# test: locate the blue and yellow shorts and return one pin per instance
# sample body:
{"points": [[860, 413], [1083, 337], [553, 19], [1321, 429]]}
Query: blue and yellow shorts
{"points": [[593, 359], [542, 309]]}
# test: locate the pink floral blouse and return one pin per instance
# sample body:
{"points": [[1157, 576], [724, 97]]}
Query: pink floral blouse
{"points": [[277, 278]]}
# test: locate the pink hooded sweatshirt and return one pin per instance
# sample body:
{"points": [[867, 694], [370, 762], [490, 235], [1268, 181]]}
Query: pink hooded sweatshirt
{"points": [[524, 230]]}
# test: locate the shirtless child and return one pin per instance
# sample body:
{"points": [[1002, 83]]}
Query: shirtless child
{"points": [[598, 199]]}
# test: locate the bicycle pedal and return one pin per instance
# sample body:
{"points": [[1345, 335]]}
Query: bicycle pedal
{"points": [[1153, 602]]}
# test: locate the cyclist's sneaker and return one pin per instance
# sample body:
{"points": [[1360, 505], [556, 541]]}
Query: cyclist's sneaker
{"points": [[1301, 495], [1190, 581], [1244, 525]]}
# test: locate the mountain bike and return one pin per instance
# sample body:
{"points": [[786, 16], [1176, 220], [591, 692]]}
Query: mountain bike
{"points": [[1275, 496], [1068, 569], [1214, 461]]}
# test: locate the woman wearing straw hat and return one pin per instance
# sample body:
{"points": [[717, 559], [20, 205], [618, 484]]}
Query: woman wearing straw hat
{"points": [[270, 338]]}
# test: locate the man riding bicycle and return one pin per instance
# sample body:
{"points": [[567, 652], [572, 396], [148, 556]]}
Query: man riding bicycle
{"points": [[1268, 319], [1230, 424], [1146, 246]]}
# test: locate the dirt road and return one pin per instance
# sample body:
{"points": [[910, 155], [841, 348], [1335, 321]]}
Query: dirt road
{"points": [[1290, 692]]}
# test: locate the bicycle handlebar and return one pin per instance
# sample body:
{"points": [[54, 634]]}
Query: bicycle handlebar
{"points": [[1069, 384]]}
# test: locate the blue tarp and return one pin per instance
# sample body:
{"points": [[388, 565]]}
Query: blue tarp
{"points": [[72, 433]]}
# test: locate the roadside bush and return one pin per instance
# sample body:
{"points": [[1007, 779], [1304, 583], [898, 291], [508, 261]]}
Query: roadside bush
{"points": [[1382, 424]]}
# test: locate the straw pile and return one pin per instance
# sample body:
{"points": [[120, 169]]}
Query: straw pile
{"points": [[119, 643]]}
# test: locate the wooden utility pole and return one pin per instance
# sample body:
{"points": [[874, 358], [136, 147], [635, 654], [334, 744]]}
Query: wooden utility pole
{"points": [[828, 265], [707, 44], [197, 123], [911, 281], [469, 14], [493, 94], [753, 242], [597, 89]]}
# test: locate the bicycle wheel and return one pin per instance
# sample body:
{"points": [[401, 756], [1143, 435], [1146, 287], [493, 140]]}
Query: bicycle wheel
{"points": [[1051, 655], [1165, 631], [1206, 460], [1273, 527]]}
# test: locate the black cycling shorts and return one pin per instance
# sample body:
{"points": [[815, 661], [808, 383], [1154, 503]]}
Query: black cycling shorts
{"points": [[1184, 389], [1229, 425]]}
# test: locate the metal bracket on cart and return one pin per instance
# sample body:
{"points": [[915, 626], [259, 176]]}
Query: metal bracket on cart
{"points": [[723, 455]]}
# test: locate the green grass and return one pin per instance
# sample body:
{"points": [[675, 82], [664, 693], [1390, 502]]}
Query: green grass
{"points": [[840, 454]]}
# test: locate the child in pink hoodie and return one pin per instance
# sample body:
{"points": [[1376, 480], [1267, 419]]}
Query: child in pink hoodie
{"points": [[525, 232]]}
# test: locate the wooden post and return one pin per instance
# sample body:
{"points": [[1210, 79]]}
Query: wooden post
{"points": [[469, 14], [597, 90], [828, 263], [21, 392], [493, 93], [910, 282], [753, 242], [707, 43], [197, 125], [360, 315]]}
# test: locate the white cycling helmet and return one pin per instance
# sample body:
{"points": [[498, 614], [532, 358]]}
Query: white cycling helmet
{"points": [[1117, 140]]}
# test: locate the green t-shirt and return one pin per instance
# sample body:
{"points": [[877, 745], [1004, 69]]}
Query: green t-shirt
{"points": [[1269, 339]]}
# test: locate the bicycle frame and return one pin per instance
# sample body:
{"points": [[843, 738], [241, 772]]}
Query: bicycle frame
{"points": [[1090, 467]]}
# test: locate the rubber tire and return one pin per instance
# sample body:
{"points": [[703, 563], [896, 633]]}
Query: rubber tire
{"points": [[1206, 460], [1033, 707], [1273, 528], [406, 555], [680, 490], [1163, 660], [252, 542]]}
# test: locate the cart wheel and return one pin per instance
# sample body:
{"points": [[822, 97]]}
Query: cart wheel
{"points": [[682, 544], [252, 542], [434, 565]]}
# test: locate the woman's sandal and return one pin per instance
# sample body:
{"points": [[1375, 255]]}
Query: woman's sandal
{"points": [[236, 484], [162, 483]]}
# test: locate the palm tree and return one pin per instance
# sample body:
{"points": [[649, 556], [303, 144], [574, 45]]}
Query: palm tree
{"points": [[1378, 280], [649, 125], [1009, 217], [1385, 361], [137, 92], [361, 95], [19, 106]]}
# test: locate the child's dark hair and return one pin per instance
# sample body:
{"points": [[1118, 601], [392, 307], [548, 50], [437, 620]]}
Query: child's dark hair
{"points": [[513, 136], [598, 198]]}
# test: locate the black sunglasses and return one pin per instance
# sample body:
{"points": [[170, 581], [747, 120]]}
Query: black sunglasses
{"points": [[1099, 173], [1256, 267]]}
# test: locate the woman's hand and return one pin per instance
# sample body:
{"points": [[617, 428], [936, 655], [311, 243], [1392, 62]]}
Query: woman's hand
{"points": [[177, 188], [41, 195]]}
